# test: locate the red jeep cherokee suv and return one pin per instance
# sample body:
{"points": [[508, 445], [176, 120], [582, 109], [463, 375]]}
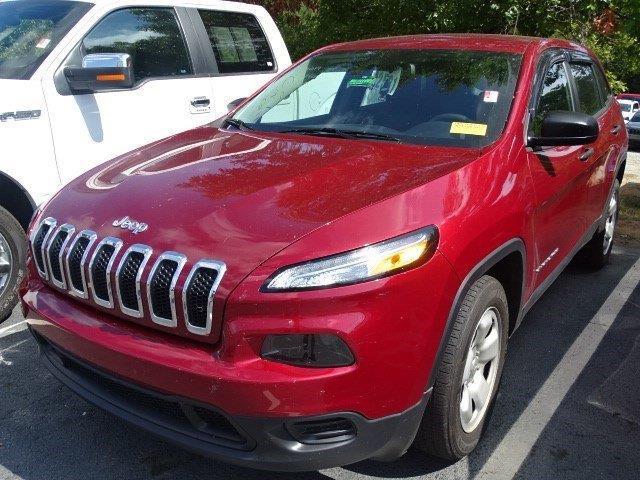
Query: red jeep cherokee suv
{"points": [[331, 272]]}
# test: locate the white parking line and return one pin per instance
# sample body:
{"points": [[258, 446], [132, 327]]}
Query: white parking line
{"points": [[510, 454], [11, 327]]}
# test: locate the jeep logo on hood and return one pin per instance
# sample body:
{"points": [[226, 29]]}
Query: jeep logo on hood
{"points": [[127, 224]]}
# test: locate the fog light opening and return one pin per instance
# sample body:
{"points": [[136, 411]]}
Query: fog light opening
{"points": [[307, 350]]}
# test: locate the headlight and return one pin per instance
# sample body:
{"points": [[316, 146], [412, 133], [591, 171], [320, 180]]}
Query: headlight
{"points": [[366, 263]]}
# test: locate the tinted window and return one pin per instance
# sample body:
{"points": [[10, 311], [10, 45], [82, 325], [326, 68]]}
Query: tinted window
{"points": [[605, 92], [433, 97], [150, 35], [30, 30], [555, 94], [588, 91], [238, 42]]}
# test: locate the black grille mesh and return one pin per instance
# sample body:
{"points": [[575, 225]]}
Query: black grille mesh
{"points": [[75, 258], [99, 272], [198, 295], [160, 287], [127, 280], [37, 245], [54, 254]]}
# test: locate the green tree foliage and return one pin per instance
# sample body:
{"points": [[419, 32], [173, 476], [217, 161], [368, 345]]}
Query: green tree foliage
{"points": [[610, 27]]}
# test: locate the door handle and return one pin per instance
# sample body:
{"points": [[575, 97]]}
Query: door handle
{"points": [[586, 154], [199, 102], [616, 129]]}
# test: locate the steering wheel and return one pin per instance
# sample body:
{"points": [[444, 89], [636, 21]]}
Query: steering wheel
{"points": [[450, 117]]}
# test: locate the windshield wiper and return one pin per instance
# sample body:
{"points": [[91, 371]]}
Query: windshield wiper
{"points": [[239, 124], [350, 134]]}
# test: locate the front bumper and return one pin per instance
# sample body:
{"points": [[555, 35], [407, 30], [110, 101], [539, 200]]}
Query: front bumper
{"points": [[263, 443]]}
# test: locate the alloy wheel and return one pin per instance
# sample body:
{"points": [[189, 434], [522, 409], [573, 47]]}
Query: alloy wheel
{"points": [[610, 225], [480, 370], [5, 263]]}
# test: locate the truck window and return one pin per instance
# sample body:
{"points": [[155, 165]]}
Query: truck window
{"points": [[238, 42], [30, 30], [151, 36]]}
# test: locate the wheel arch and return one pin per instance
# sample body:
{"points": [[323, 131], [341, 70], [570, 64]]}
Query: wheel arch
{"points": [[16, 200], [507, 264]]}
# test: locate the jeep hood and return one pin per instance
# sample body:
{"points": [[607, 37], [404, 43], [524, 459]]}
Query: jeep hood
{"points": [[241, 197]]}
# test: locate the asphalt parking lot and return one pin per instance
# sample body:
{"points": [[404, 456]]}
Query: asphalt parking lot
{"points": [[569, 405]]}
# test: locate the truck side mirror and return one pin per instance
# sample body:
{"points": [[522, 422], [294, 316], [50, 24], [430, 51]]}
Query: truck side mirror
{"points": [[565, 128], [101, 71]]}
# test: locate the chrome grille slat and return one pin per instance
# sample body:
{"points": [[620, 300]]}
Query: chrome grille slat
{"points": [[197, 296], [129, 276], [106, 253], [39, 241], [54, 254], [76, 260], [162, 289]]}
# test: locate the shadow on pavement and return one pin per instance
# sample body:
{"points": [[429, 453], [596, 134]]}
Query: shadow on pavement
{"points": [[48, 432]]}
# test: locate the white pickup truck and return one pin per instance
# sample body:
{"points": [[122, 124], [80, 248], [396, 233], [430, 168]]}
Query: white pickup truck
{"points": [[82, 82]]}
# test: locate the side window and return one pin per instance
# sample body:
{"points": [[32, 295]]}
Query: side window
{"points": [[589, 100], [605, 91], [554, 95], [238, 42], [151, 36]]}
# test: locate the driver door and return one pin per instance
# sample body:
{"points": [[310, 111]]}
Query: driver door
{"points": [[559, 176]]}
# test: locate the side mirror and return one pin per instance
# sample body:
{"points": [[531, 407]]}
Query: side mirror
{"points": [[101, 71], [565, 128], [235, 103]]}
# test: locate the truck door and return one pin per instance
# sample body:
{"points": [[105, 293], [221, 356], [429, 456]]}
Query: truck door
{"points": [[171, 92]]}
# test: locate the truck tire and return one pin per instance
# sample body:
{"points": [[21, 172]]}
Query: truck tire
{"points": [[12, 258], [468, 374], [597, 252]]}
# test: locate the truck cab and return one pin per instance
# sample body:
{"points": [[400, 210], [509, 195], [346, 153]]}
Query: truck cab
{"points": [[81, 83]]}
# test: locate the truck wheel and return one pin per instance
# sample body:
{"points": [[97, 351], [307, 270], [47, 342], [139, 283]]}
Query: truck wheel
{"points": [[468, 374], [596, 254], [12, 257]]}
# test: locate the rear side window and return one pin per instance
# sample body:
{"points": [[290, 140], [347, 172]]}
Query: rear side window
{"points": [[238, 42], [554, 95], [151, 36], [589, 100]]}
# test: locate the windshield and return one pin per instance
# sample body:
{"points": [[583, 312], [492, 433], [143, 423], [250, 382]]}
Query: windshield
{"points": [[626, 107], [30, 29], [636, 117], [431, 97]]}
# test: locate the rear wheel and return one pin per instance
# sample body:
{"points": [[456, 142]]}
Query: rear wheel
{"points": [[12, 256], [468, 374], [597, 252]]}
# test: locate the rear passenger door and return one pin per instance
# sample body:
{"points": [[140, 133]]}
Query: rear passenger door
{"points": [[559, 175], [241, 56], [593, 98]]}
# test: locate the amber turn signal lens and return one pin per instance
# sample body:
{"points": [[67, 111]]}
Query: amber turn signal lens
{"points": [[111, 77]]}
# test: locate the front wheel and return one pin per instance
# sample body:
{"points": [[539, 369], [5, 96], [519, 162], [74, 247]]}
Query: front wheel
{"points": [[12, 257], [468, 374]]}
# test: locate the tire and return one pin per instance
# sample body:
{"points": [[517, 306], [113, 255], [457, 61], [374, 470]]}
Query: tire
{"points": [[597, 252], [12, 258], [444, 431]]}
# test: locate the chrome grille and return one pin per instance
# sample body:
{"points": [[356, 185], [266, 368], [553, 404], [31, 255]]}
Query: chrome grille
{"points": [[76, 260], [64, 258], [38, 242], [161, 288], [200, 287], [128, 277], [100, 270], [54, 254]]}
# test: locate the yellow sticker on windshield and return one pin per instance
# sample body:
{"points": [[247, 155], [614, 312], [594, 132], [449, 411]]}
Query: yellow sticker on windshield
{"points": [[469, 128]]}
